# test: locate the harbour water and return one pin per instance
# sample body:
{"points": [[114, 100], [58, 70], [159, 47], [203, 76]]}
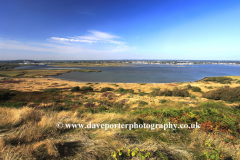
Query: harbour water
{"points": [[145, 73]]}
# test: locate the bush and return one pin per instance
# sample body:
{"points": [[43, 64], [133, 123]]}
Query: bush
{"points": [[162, 101], [166, 92], [193, 97], [4, 96], [142, 94], [180, 93], [141, 83], [142, 103], [226, 94], [121, 90], [196, 89], [89, 105], [210, 87], [102, 109], [14, 104], [51, 90], [86, 88], [155, 92], [222, 80], [77, 88], [59, 108], [189, 86], [106, 89]]}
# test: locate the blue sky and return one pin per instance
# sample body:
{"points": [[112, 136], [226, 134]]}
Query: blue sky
{"points": [[119, 29]]}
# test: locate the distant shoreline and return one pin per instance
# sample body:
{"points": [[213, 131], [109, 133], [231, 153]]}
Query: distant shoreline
{"points": [[129, 65]]}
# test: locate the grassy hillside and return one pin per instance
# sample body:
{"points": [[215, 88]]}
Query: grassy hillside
{"points": [[31, 109]]}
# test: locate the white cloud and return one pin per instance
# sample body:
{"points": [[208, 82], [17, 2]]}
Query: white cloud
{"points": [[56, 48], [93, 37], [95, 45], [102, 35], [57, 39]]}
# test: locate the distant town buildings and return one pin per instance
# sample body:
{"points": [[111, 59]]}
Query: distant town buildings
{"points": [[179, 62], [155, 62]]}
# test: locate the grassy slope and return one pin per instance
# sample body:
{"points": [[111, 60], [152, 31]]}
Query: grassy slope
{"points": [[30, 132]]}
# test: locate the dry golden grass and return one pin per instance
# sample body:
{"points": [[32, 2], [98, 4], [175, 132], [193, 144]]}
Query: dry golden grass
{"points": [[38, 136], [47, 146], [2, 143], [15, 117], [30, 128], [12, 154], [234, 77], [36, 84], [33, 133]]}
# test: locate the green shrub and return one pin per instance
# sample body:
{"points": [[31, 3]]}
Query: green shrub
{"points": [[196, 89], [114, 84], [130, 154], [14, 104], [180, 93], [189, 86], [77, 88], [142, 94], [121, 90], [162, 101], [59, 108], [226, 94], [141, 83], [211, 152], [102, 109], [155, 92], [166, 92], [106, 89], [52, 90], [86, 88], [222, 80], [4, 96], [193, 97], [142, 103], [210, 87]]}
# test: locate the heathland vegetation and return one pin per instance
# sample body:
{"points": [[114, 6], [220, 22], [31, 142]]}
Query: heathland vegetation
{"points": [[31, 108], [29, 73]]}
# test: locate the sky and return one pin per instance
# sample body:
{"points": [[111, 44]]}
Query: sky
{"points": [[119, 29]]}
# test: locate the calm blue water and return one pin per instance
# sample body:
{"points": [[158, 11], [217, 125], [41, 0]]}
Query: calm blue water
{"points": [[145, 73]]}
